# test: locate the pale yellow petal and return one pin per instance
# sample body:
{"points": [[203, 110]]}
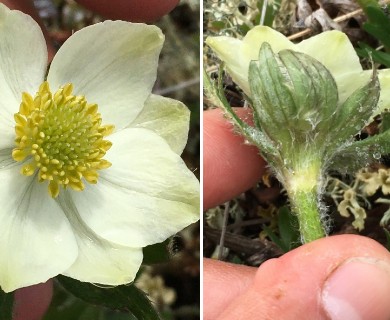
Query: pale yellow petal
{"points": [[238, 53], [334, 50], [167, 117], [36, 239], [147, 195]]}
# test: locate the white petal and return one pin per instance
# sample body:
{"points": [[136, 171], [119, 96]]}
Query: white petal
{"points": [[114, 64], [384, 79], [228, 49], [334, 50], [23, 60], [147, 195], [99, 261], [6, 159], [257, 36], [105, 263], [237, 54], [348, 83], [36, 240], [7, 133], [169, 118]]}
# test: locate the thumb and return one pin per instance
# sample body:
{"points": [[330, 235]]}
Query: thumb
{"points": [[340, 277]]}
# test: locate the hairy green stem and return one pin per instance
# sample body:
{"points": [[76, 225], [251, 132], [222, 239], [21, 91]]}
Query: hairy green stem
{"points": [[302, 187], [306, 207]]}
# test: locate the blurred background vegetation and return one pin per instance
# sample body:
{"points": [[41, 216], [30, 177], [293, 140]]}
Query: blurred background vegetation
{"points": [[171, 277], [259, 224]]}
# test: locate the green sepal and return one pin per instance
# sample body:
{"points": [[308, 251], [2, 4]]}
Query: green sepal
{"points": [[216, 94], [294, 97], [271, 100], [314, 88], [353, 114], [379, 143], [127, 298], [361, 153]]}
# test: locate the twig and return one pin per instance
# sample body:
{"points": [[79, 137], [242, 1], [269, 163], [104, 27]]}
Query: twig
{"points": [[223, 231], [263, 11], [338, 19], [242, 244], [247, 223], [180, 86]]}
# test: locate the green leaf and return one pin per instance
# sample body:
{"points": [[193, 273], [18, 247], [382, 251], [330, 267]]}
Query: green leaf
{"points": [[289, 237], [124, 298], [75, 310], [274, 238], [385, 125], [65, 306], [378, 24], [288, 228], [156, 253], [6, 305], [377, 56], [387, 233], [365, 3], [270, 13]]}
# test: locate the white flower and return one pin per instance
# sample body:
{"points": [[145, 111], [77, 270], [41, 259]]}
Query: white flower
{"points": [[134, 189], [332, 48]]}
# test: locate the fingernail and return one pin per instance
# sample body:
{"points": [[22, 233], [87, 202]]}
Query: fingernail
{"points": [[359, 289]]}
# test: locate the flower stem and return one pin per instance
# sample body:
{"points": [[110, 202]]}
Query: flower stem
{"points": [[303, 187], [305, 205]]}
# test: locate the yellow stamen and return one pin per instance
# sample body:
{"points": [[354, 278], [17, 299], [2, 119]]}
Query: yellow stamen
{"points": [[60, 137]]}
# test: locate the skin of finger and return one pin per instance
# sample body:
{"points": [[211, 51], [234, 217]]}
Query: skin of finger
{"points": [[27, 7], [229, 166], [289, 287], [222, 283], [131, 10], [32, 302]]}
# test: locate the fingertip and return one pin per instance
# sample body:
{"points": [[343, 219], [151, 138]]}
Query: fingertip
{"points": [[32, 302], [223, 282], [230, 166], [293, 286], [358, 289]]}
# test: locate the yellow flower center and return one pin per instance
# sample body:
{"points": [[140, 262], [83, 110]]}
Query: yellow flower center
{"points": [[61, 138]]}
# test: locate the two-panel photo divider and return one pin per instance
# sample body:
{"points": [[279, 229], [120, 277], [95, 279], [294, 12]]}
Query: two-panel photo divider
{"points": [[296, 166]]}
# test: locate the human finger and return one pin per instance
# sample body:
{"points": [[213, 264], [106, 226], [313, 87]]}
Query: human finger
{"points": [[222, 283], [32, 302], [229, 165], [339, 277]]}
